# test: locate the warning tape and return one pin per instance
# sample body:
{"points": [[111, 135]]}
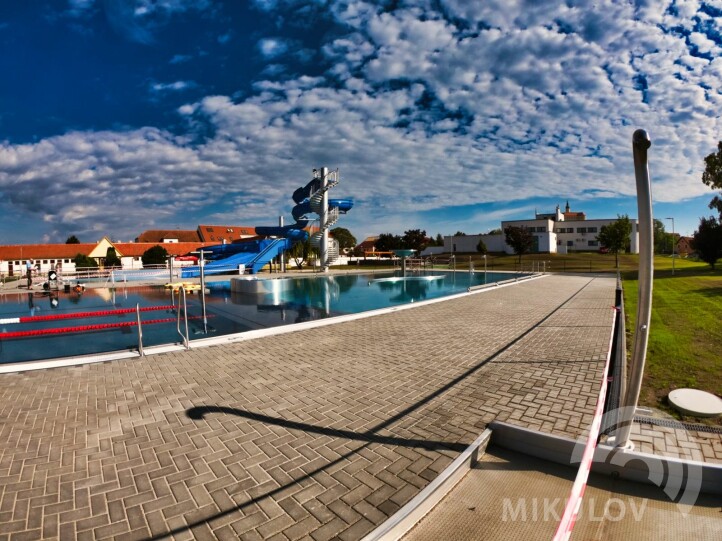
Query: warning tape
{"points": [[78, 315], [85, 328], [574, 503]]}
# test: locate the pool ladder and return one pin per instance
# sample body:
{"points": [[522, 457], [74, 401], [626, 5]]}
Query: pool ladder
{"points": [[182, 295], [186, 342]]}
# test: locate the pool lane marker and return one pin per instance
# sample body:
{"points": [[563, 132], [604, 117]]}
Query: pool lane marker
{"points": [[86, 328], [79, 315]]}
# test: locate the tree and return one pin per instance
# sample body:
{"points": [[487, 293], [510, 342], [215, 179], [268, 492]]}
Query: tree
{"points": [[82, 261], [712, 176], [615, 236], [414, 239], [661, 239], [707, 240], [344, 238], [72, 239], [481, 247], [111, 258], [155, 255], [496, 231], [301, 252], [387, 242], [520, 239], [459, 234]]}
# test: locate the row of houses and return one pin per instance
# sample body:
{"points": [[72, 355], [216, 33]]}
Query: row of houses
{"points": [[59, 257]]}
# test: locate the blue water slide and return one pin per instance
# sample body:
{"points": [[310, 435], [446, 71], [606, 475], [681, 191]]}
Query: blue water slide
{"points": [[221, 266], [304, 207], [304, 193], [225, 258], [274, 249], [294, 232], [343, 205]]}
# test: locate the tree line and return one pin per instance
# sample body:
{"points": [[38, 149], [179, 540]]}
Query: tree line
{"points": [[707, 240]]}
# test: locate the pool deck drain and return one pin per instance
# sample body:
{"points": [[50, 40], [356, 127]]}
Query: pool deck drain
{"points": [[318, 434]]}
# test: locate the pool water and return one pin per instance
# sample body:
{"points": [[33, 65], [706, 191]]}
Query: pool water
{"points": [[297, 300]]}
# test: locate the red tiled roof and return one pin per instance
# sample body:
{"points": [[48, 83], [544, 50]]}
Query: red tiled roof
{"points": [[157, 235], [572, 216], [22, 252], [137, 249], [218, 233]]}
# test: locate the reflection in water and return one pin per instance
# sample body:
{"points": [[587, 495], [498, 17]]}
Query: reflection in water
{"points": [[288, 300], [409, 290]]}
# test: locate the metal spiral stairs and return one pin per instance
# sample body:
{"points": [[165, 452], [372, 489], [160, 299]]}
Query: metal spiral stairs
{"points": [[316, 204]]}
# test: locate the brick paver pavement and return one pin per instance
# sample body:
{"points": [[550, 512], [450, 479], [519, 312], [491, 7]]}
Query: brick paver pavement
{"points": [[316, 434]]}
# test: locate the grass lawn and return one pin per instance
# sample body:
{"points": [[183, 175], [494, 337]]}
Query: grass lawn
{"points": [[685, 342]]}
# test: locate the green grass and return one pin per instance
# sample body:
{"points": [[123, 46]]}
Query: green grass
{"points": [[574, 262], [685, 341]]}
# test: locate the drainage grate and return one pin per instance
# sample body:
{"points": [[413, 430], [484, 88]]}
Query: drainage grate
{"points": [[670, 423]]}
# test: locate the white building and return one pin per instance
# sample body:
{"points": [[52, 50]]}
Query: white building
{"points": [[558, 232]]}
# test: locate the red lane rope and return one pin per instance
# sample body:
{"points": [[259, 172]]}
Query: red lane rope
{"points": [[85, 328], [100, 313]]}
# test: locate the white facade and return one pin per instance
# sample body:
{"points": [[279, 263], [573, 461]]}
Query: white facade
{"points": [[552, 234]]}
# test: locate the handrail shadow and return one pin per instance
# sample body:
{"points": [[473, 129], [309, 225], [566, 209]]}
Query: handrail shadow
{"points": [[369, 437]]}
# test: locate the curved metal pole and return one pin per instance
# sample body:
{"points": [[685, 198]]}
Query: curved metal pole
{"points": [[640, 144]]}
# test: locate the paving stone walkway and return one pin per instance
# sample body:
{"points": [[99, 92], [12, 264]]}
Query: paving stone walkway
{"points": [[318, 434]]}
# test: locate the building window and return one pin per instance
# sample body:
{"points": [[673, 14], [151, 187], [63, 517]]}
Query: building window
{"points": [[581, 230], [592, 243], [541, 229], [570, 243], [591, 229]]}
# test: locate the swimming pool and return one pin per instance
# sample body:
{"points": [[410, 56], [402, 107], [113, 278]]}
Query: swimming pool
{"points": [[101, 320]]}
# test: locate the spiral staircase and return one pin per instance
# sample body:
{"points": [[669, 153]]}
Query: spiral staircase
{"points": [[316, 205]]}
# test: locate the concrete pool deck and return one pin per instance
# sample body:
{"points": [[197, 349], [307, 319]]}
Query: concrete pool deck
{"points": [[321, 433]]}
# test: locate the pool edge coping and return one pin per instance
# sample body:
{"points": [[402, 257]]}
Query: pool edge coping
{"points": [[27, 366]]}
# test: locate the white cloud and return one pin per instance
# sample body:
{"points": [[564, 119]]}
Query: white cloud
{"points": [[176, 86], [273, 47], [420, 112]]}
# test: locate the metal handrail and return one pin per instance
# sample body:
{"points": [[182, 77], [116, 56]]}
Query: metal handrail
{"points": [[140, 330], [182, 294]]}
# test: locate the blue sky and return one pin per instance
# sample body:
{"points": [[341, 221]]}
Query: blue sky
{"points": [[118, 116]]}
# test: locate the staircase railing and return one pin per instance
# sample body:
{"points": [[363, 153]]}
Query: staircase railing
{"points": [[182, 297]]}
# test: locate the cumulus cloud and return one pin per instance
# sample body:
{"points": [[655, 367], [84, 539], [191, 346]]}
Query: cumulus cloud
{"points": [[273, 47], [176, 86], [421, 109], [138, 20]]}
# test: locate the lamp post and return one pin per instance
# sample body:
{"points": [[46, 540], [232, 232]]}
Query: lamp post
{"points": [[673, 243]]}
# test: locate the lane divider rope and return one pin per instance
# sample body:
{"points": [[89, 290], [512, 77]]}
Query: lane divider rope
{"points": [[77, 315], [85, 328]]}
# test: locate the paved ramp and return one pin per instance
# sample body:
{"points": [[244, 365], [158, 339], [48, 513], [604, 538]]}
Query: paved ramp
{"points": [[513, 496]]}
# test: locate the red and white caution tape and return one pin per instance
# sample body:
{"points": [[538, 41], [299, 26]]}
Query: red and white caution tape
{"points": [[571, 511]]}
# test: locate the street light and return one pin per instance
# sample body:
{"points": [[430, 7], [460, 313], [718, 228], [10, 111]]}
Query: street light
{"points": [[673, 251]]}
